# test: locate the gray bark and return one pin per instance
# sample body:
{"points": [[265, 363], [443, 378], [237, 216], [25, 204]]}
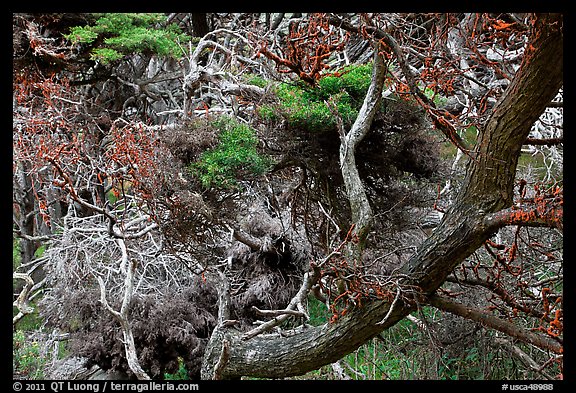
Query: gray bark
{"points": [[359, 204]]}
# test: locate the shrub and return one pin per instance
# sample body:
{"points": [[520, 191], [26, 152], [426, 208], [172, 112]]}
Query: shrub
{"points": [[305, 108], [125, 33], [234, 157]]}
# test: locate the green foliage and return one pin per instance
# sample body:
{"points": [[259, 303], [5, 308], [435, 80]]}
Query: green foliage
{"points": [[40, 251], [305, 108], [436, 98], [112, 198], [117, 34], [181, 374], [236, 156], [354, 80], [26, 357], [106, 55]]}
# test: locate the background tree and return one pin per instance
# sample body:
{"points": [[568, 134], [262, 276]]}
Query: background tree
{"points": [[282, 163]]}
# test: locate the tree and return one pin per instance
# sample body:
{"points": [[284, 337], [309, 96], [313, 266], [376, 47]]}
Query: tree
{"points": [[466, 226], [495, 74]]}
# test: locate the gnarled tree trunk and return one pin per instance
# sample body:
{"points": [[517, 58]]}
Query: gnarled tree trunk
{"points": [[487, 189]]}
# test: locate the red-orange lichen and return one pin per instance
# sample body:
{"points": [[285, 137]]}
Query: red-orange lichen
{"points": [[308, 45]]}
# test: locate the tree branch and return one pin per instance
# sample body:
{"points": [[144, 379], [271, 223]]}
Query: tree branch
{"points": [[310, 279], [275, 313], [359, 205], [520, 354], [544, 142], [490, 321], [22, 301], [534, 217]]}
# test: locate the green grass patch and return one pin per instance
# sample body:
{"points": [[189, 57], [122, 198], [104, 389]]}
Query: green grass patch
{"points": [[448, 149], [181, 374]]}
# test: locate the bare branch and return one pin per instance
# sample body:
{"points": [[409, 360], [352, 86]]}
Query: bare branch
{"points": [[494, 322], [360, 206], [22, 301], [544, 142], [275, 313], [310, 279], [520, 354]]}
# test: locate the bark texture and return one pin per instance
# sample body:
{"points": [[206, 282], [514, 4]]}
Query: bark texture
{"points": [[359, 204]]}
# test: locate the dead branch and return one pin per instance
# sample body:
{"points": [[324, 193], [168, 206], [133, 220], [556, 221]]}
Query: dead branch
{"points": [[22, 301], [276, 313], [309, 280], [521, 355]]}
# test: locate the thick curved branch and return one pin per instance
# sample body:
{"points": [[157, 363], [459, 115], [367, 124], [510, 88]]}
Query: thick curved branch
{"points": [[493, 322], [526, 217]]}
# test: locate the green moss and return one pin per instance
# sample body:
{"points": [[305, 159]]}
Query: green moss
{"points": [[257, 80]]}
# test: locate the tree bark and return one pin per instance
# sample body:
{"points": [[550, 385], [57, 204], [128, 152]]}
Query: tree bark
{"points": [[488, 188], [200, 24], [359, 204]]}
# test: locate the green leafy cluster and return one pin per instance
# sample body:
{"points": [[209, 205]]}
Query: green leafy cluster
{"points": [[236, 156], [306, 108], [117, 34]]}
